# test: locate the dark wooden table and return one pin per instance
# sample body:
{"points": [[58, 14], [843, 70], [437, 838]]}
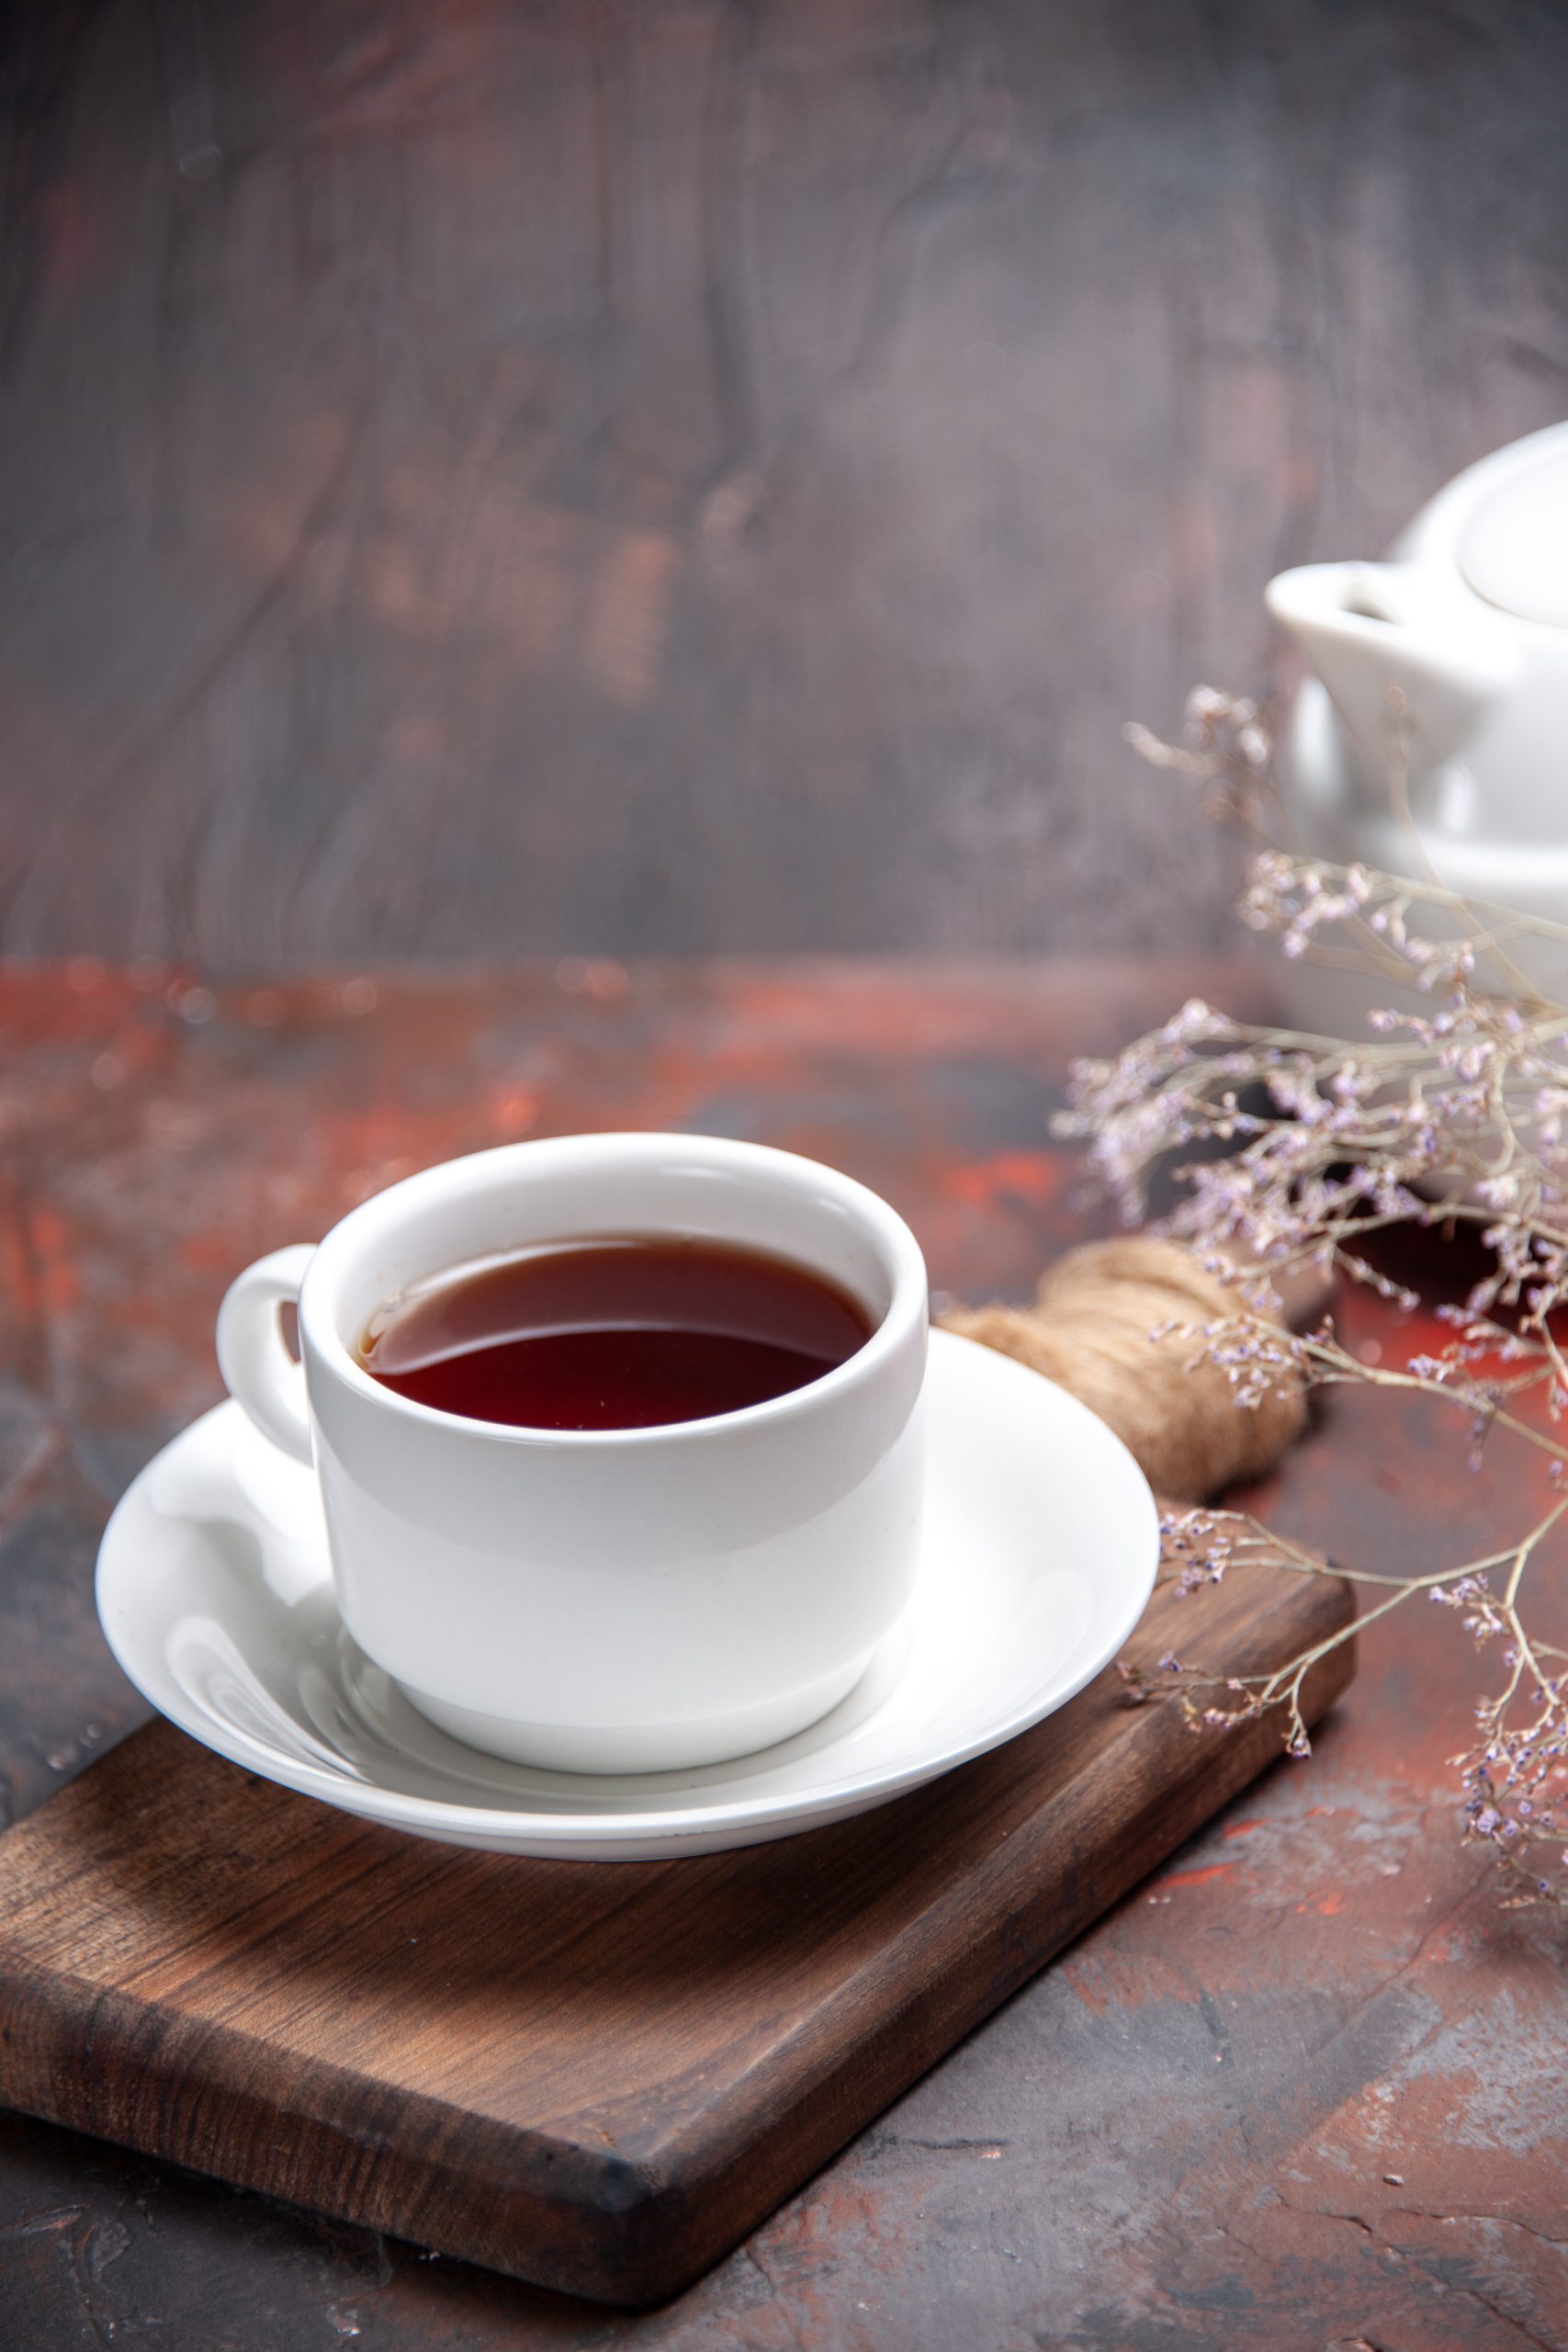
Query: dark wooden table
{"points": [[1303, 2090]]}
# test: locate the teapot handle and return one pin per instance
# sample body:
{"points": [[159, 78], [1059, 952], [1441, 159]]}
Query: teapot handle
{"points": [[1372, 630]]}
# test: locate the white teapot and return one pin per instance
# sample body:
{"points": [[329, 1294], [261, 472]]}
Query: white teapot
{"points": [[1430, 737]]}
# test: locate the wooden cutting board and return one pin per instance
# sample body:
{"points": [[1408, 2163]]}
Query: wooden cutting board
{"points": [[598, 2077]]}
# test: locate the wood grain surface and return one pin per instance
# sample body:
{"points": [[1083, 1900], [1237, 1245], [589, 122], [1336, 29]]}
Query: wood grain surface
{"points": [[596, 2076], [687, 476]]}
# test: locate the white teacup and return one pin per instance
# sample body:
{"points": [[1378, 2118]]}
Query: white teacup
{"points": [[604, 1600]]}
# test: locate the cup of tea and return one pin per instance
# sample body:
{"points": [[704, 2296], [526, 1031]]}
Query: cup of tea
{"points": [[618, 1439]]}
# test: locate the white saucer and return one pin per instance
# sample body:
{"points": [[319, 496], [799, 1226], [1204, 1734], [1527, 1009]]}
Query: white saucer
{"points": [[1040, 1552]]}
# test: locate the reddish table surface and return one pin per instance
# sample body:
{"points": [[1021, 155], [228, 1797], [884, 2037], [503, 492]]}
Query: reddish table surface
{"points": [[1304, 2089]]}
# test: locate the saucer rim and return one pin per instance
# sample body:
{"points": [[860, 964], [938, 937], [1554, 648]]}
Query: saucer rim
{"points": [[371, 1799]]}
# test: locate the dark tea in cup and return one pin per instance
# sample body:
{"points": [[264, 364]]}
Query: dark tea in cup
{"points": [[619, 1332], [603, 1494]]}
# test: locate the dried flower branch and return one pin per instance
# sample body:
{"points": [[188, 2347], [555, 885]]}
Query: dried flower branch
{"points": [[1450, 1113]]}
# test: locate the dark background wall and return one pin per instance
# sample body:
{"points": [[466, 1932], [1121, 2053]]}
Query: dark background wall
{"points": [[657, 474]]}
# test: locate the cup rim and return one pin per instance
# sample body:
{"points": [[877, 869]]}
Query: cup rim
{"points": [[908, 1307]]}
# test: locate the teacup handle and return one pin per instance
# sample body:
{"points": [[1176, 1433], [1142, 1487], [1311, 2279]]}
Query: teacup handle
{"points": [[258, 1371]]}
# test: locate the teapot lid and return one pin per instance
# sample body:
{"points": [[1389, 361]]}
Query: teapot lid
{"points": [[1514, 550]]}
